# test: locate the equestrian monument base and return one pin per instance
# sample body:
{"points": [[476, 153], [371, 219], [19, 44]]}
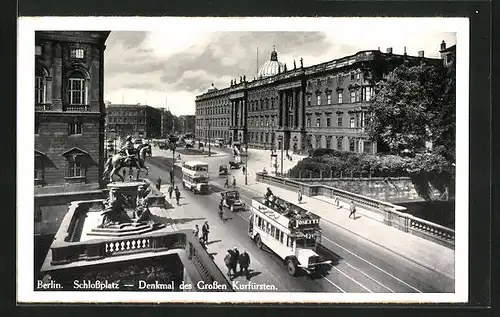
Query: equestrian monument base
{"points": [[126, 229]]}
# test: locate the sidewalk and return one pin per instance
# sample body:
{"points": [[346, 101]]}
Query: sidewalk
{"points": [[367, 224]]}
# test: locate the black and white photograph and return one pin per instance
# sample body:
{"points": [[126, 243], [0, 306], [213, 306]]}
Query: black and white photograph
{"points": [[296, 160]]}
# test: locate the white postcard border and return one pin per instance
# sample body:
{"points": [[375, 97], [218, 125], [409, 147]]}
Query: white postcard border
{"points": [[25, 158]]}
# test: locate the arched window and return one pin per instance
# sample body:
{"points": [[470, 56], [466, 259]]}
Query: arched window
{"points": [[40, 86], [77, 88]]}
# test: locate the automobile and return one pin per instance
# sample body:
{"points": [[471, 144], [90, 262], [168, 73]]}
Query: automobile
{"points": [[234, 165], [223, 170], [231, 200]]}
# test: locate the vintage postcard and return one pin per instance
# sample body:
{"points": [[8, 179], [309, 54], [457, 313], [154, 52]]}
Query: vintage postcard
{"points": [[295, 160]]}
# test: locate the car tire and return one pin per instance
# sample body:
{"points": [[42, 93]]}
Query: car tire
{"points": [[258, 242]]}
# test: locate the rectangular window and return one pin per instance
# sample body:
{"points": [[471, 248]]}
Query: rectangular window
{"points": [[308, 121], [329, 99], [39, 90], [339, 96], [353, 96], [328, 121], [75, 169], [38, 50], [318, 122], [352, 122], [351, 145], [76, 91], [339, 144], [277, 234], [318, 100], [352, 76], [77, 53], [367, 93], [358, 75], [37, 126], [309, 100], [339, 121], [281, 236], [328, 142], [75, 128]]}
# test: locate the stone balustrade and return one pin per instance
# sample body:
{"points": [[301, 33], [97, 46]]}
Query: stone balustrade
{"points": [[393, 215]]}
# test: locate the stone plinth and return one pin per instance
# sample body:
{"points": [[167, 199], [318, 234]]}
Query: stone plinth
{"points": [[125, 229]]}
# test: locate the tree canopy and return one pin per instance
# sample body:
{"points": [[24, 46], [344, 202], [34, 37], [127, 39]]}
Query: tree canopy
{"points": [[414, 105]]}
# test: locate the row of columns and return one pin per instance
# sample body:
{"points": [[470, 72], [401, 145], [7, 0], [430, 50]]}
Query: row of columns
{"points": [[290, 108], [238, 112]]}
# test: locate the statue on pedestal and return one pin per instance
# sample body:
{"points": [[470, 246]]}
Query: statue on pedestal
{"points": [[128, 156], [294, 65], [141, 212], [114, 212], [301, 62]]}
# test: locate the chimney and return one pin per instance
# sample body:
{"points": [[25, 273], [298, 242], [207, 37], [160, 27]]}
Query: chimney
{"points": [[443, 45], [389, 50], [420, 53]]}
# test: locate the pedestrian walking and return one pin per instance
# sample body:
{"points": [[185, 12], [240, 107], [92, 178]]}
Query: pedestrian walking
{"points": [[234, 181], [244, 262], [205, 229], [226, 184], [353, 210], [170, 191], [243, 169], [196, 231], [234, 260], [221, 210], [177, 194], [299, 194], [158, 183]]}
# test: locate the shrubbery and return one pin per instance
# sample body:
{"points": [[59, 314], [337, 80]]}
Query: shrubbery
{"points": [[424, 169]]}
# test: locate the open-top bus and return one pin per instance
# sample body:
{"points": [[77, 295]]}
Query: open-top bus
{"points": [[195, 177], [289, 231]]}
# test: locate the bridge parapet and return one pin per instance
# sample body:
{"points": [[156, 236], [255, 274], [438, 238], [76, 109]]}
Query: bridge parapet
{"points": [[393, 215]]}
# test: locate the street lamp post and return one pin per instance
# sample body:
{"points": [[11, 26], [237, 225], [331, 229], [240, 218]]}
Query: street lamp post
{"points": [[280, 138], [209, 126], [246, 164], [172, 147]]}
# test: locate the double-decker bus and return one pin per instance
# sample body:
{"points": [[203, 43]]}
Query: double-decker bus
{"points": [[288, 230], [195, 177]]}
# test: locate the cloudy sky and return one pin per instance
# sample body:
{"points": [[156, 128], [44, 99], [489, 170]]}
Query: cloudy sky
{"points": [[159, 67]]}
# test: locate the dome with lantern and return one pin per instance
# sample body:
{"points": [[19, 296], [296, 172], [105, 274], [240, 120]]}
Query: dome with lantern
{"points": [[271, 67]]}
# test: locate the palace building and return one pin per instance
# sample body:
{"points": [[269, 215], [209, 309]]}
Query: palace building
{"points": [[320, 106]]}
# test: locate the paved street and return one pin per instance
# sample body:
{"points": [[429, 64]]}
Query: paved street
{"points": [[358, 265]]}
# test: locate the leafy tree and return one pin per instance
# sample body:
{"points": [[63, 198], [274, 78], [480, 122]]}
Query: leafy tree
{"points": [[415, 105]]}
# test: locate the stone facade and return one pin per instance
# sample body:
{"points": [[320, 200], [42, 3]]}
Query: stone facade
{"points": [[69, 111], [321, 106], [138, 121], [69, 122]]}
